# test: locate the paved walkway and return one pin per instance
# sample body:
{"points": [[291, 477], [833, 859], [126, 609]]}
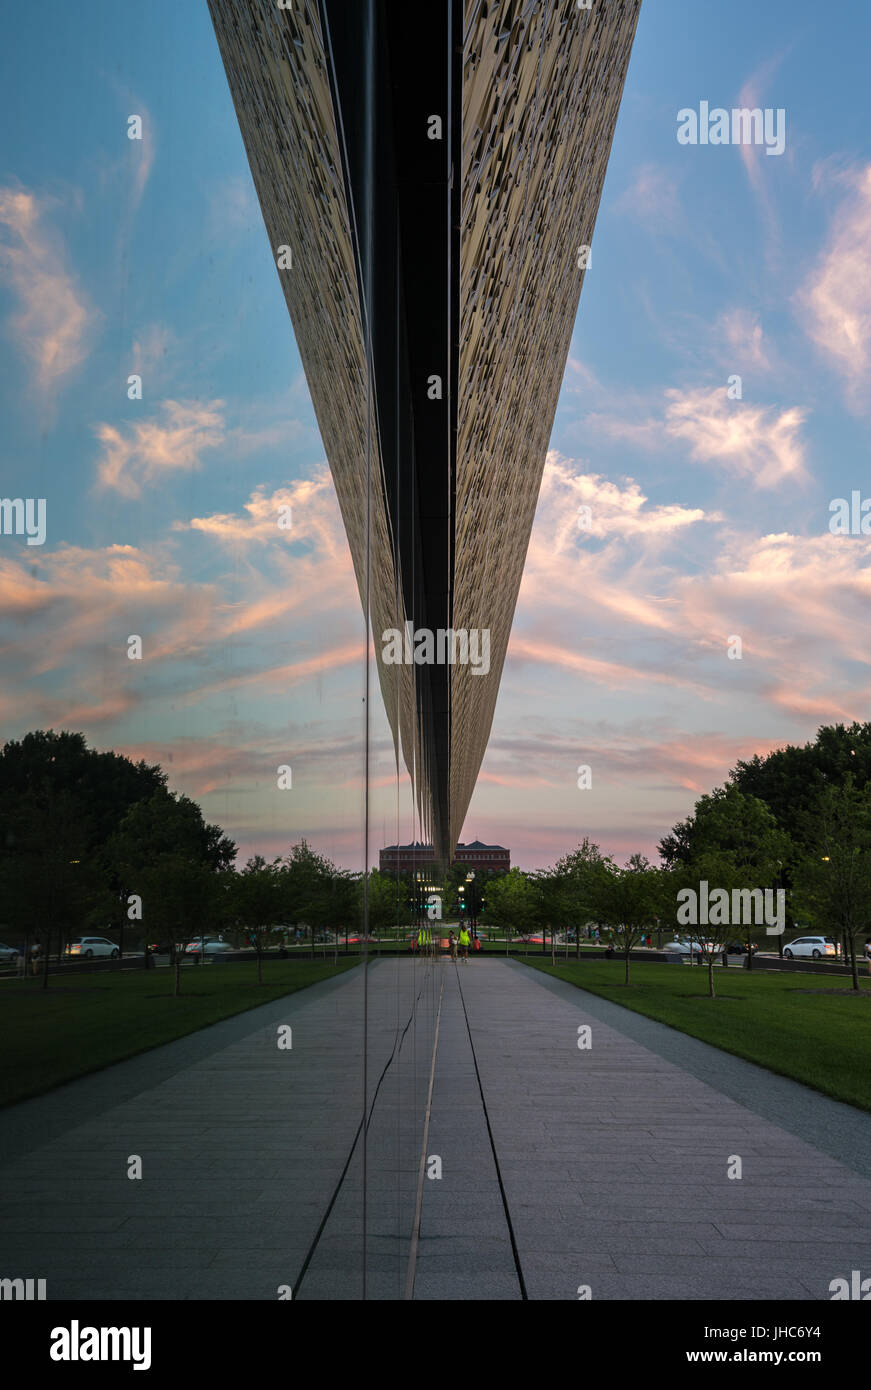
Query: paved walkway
{"points": [[560, 1167]]}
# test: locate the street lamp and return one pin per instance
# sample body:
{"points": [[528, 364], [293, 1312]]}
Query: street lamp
{"points": [[472, 901]]}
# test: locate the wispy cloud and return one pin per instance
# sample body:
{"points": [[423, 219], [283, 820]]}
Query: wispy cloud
{"points": [[652, 617], [835, 301], [652, 198], [151, 347], [761, 443], [739, 333], [141, 452], [612, 509], [757, 167], [54, 322]]}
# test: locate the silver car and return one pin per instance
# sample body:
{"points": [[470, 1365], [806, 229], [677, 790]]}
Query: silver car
{"points": [[8, 954], [208, 946]]}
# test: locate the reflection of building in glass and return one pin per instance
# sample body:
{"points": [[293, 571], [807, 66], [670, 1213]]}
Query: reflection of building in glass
{"points": [[429, 178], [406, 859]]}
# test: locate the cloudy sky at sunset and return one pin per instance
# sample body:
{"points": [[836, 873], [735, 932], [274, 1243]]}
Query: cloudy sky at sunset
{"points": [[709, 517]]}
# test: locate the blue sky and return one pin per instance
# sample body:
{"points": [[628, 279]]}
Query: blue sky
{"points": [[709, 517]]}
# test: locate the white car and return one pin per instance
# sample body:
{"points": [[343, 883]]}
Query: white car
{"points": [[814, 946], [88, 946], [8, 954], [694, 948]]}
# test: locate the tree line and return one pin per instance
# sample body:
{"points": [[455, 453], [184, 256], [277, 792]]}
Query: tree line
{"points": [[795, 822], [92, 841]]}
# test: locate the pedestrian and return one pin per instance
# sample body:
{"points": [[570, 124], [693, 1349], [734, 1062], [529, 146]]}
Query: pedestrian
{"points": [[452, 944], [464, 943]]}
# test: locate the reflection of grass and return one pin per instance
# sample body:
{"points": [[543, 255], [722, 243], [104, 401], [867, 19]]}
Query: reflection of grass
{"points": [[84, 1022], [822, 1038]]}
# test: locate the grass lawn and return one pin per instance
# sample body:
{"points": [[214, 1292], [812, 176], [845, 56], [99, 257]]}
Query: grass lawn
{"points": [[84, 1022], [822, 1039]]}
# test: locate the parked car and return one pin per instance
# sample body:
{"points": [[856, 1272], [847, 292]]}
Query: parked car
{"points": [[8, 954], [209, 946], [814, 946], [88, 946]]}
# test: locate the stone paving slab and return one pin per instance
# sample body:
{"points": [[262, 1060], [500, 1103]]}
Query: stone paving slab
{"points": [[654, 1139], [242, 1147], [613, 1160]]}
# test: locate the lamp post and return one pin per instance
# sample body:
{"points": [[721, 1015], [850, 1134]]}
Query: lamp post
{"points": [[472, 902]]}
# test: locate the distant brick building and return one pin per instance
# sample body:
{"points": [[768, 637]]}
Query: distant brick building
{"points": [[480, 856], [409, 859]]}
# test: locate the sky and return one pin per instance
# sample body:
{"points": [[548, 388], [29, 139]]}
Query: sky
{"points": [[708, 514]]}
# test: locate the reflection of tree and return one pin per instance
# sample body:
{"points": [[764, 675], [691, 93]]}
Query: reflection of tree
{"points": [[176, 863], [46, 876], [60, 804], [387, 902], [256, 903]]}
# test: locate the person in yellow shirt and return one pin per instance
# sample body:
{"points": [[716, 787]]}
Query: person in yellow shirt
{"points": [[464, 943]]}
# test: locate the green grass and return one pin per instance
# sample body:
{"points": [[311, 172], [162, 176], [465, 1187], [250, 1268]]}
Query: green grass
{"points": [[84, 1022], [822, 1040]]}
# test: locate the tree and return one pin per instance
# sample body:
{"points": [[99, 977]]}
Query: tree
{"points": [[833, 882], [103, 785], [168, 856], [308, 888], [750, 851], [512, 902], [386, 902], [732, 842], [581, 873], [730, 852], [555, 905], [59, 802], [788, 779], [47, 874], [628, 900], [256, 903], [711, 878], [788, 782]]}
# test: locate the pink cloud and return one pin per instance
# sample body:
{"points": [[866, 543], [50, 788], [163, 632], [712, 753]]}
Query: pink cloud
{"points": [[652, 198], [54, 322], [760, 443], [835, 301], [145, 450]]}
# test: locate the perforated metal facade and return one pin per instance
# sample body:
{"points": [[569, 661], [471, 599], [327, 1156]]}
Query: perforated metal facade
{"points": [[529, 103]]}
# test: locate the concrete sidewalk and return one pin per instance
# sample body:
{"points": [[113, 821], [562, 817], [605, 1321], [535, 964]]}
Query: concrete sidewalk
{"points": [[242, 1146], [614, 1161], [560, 1168]]}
